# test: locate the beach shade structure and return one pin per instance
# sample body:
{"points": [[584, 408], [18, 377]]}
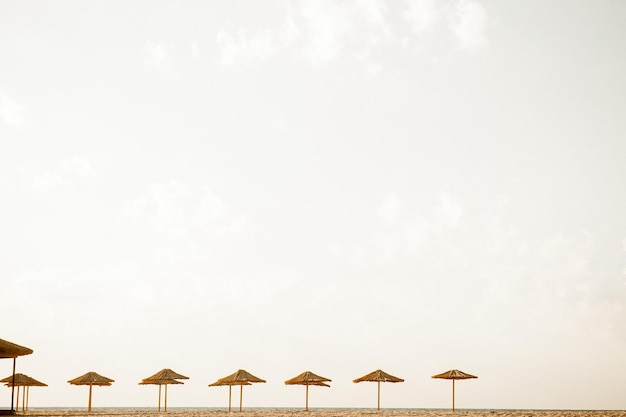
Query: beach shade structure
{"points": [[163, 377], [24, 381], [91, 379], [10, 350], [378, 376], [308, 378], [240, 378], [454, 374]]}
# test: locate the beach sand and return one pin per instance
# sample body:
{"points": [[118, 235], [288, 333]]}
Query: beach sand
{"points": [[322, 413]]}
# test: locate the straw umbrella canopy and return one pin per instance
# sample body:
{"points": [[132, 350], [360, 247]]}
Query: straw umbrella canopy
{"points": [[241, 378], [24, 381], [12, 350], [378, 376], [308, 378], [163, 377], [454, 374], [91, 379]]}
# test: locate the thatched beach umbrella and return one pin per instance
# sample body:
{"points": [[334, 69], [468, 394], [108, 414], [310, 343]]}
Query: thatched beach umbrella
{"points": [[24, 381], [91, 379], [308, 378], [378, 376], [12, 350], [454, 374], [240, 378], [163, 377]]}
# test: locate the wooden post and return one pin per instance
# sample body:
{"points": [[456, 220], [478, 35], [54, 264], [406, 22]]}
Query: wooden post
{"points": [[307, 397], [230, 396], [165, 402], [240, 398], [453, 395], [13, 385], [89, 405], [17, 402], [23, 398], [159, 407], [378, 395], [27, 396]]}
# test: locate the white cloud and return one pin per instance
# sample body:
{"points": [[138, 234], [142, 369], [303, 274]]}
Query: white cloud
{"points": [[244, 47], [319, 31], [326, 24], [11, 113], [502, 200], [179, 210], [334, 249], [290, 32], [423, 15], [81, 167], [175, 208], [374, 10], [469, 22], [160, 56], [390, 209], [449, 210], [46, 176], [417, 232], [39, 178], [195, 49]]}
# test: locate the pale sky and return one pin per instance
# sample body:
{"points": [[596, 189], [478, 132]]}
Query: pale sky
{"points": [[333, 186]]}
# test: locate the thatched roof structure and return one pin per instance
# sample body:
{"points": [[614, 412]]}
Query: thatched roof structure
{"points": [[24, 381], [91, 378], [378, 376], [241, 377], [308, 378], [219, 383], [159, 382], [163, 377], [165, 374], [21, 380], [454, 374], [12, 350]]}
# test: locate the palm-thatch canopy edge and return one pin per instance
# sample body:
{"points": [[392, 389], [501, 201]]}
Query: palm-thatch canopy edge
{"points": [[12, 350], [241, 377], [22, 380], [159, 382], [167, 374], [91, 378], [454, 374], [308, 378], [378, 376]]}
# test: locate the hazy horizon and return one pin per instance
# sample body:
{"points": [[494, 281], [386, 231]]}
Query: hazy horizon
{"points": [[333, 186]]}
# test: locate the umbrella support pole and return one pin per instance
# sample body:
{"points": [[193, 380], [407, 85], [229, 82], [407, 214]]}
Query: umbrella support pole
{"points": [[230, 396], [453, 395], [165, 402], [13, 384], [24, 399], [378, 395], [17, 401], [240, 398], [89, 404], [27, 397], [307, 398], [159, 406]]}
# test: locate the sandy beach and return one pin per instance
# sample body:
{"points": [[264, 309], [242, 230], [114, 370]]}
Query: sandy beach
{"points": [[328, 413]]}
